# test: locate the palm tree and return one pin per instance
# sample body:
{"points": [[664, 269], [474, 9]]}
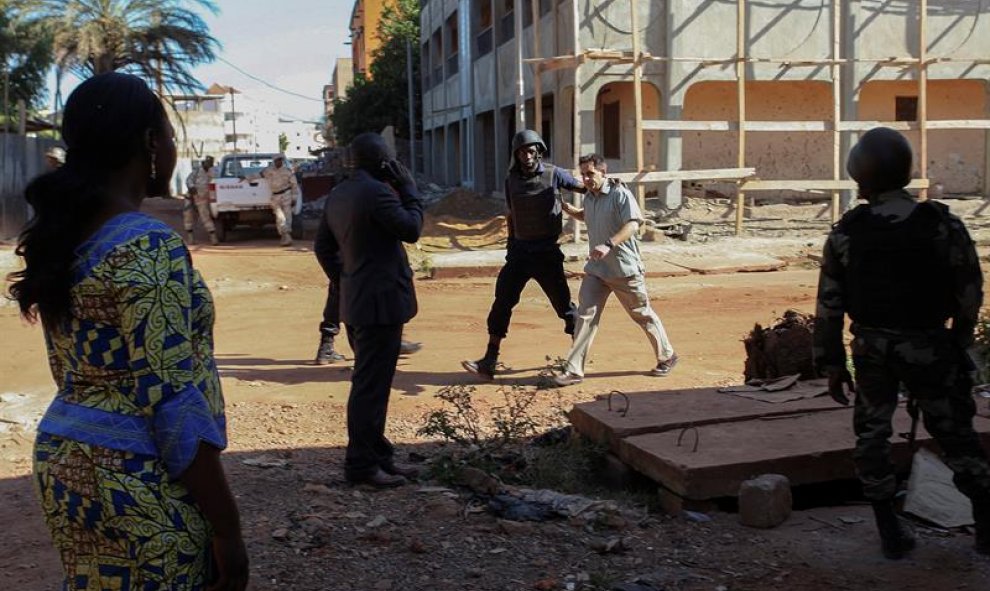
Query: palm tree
{"points": [[159, 40]]}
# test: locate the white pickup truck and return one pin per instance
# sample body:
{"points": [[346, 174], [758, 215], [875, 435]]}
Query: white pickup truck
{"points": [[239, 196]]}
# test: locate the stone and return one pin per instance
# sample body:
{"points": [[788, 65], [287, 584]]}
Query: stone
{"points": [[765, 501], [512, 528], [442, 508], [479, 481]]}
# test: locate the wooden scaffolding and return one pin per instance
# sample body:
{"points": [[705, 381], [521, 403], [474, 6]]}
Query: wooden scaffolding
{"points": [[745, 177]]}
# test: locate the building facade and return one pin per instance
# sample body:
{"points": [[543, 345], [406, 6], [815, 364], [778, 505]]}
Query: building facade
{"points": [[304, 138], [250, 125], [690, 93], [365, 17], [341, 81]]}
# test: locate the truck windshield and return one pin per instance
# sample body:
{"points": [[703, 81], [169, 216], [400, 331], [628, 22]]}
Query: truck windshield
{"points": [[241, 167]]}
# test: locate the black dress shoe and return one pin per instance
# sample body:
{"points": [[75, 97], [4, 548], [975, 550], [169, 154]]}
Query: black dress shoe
{"points": [[404, 470], [380, 479]]}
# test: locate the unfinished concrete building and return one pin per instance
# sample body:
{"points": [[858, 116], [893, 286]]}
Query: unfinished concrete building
{"points": [[760, 95]]}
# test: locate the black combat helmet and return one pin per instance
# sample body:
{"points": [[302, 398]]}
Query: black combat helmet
{"points": [[880, 161], [527, 137]]}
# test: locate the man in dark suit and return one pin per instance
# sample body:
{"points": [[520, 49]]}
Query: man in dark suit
{"points": [[366, 220]]}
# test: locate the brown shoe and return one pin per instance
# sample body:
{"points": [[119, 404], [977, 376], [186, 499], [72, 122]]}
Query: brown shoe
{"points": [[404, 470], [380, 479]]}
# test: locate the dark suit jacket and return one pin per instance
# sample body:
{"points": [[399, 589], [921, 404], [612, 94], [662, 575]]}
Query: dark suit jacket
{"points": [[364, 225]]}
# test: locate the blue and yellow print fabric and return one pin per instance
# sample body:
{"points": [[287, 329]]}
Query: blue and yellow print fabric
{"points": [[138, 392]]}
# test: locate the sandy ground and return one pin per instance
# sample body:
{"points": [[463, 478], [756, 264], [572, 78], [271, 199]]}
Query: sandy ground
{"points": [[269, 302]]}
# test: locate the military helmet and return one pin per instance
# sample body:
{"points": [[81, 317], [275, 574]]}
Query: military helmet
{"points": [[56, 153], [880, 161], [528, 137]]}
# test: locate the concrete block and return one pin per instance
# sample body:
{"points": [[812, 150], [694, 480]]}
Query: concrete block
{"points": [[674, 504], [765, 501], [616, 474]]}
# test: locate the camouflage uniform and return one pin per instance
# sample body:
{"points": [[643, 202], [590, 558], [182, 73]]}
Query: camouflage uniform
{"points": [[930, 361], [198, 180], [283, 184]]}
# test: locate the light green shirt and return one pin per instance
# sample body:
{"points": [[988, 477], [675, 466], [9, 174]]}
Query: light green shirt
{"points": [[604, 214]]}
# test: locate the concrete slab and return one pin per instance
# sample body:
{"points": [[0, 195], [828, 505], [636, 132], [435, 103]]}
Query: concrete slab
{"points": [[739, 262], [656, 412], [811, 448], [665, 269], [451, 272]]}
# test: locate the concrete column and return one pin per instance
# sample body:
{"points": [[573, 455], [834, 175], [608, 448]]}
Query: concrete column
{"points": [[501, 146], [851, 82], [986, 145], [465, 52], [671, 142], [588, 116], [671, 108]]}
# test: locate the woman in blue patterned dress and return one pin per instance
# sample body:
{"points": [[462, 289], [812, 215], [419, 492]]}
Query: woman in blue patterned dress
{"points": [[127, 457]]}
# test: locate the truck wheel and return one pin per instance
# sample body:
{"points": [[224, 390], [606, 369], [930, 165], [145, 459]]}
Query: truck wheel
{"points": [[297, 227], [222, 224]]}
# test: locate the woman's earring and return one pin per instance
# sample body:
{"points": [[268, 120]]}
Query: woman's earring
{"points": [[154, 168]]}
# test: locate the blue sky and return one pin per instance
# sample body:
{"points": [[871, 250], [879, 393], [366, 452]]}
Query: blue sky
{"points": [[290, 43]]}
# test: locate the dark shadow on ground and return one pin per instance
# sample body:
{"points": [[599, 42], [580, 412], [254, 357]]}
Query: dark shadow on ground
{"points": [[409, 381], [308, 530]]}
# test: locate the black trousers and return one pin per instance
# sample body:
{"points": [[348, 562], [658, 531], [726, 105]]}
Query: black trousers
{"points": [[547, 268], [376, 351], [330, 325]]}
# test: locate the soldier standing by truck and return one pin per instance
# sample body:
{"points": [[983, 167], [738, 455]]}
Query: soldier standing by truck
{"points": [[198, 201], [284, 188]]}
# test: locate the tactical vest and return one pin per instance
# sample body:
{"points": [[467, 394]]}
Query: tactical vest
{"points": [[536, 212], [898, 276]]}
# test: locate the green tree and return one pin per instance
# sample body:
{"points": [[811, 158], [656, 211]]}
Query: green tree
{"points": [[283, 142], [381, 99], [25, 55], [159, 40]]}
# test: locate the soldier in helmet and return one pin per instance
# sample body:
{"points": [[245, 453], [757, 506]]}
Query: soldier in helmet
{"points": [[55, 157], [534, 220], [901, 269]]}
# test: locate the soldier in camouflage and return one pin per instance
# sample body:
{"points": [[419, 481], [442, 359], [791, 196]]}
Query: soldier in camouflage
{"points": [[900, 269], [198, 201]]}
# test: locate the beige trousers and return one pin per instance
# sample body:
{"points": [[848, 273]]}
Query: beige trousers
{"points": [[631, 293], [282, 208], [197, 207]]}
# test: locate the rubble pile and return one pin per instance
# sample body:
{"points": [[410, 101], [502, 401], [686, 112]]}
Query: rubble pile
{"points": [[464, 220], [782, 349]]}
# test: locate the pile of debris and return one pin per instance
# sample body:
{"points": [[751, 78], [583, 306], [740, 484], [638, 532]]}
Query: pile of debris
{"points": [[782, 349], [464, 220]]}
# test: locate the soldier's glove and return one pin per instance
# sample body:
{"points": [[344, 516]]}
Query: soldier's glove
{"points": [[837, 380]]}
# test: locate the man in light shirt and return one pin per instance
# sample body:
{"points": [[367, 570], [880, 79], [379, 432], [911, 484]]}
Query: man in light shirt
{"points": [[614, 266]]}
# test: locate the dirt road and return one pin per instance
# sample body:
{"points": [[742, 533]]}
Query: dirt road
{"points": [[269, 302]]}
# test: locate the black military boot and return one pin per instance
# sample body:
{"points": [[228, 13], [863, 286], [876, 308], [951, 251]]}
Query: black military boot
{"points": [[981, 515], [325, 353], [895, 540], [484, 367]]}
